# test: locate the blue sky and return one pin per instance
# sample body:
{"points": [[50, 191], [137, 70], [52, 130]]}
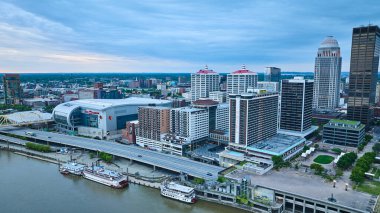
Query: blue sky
{"points": [[173, 36]]}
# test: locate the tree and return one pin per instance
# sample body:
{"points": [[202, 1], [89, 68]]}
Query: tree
{"points": [[346, 161], [317, 168], [357, 175], [337, 150], [278, 162], [316, 146], [305, 148], [49, 108], [376, 148], [368, 138]]}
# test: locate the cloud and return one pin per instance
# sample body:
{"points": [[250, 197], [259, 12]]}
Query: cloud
{"points": [[173, 36]]}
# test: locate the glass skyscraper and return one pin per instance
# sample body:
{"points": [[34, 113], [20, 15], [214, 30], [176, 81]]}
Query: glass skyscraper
{"points": [[364, 66]]}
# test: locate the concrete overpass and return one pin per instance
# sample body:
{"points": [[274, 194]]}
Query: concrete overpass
{"points": [[165, 161]]}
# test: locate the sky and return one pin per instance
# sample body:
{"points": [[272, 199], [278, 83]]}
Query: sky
{"points": [[171, 36]]}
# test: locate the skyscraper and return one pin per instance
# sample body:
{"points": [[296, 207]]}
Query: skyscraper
{"points": [[272, 74], [253, 117], [12, 89], [364, 66], [153, 122], [239, 81], [328, 65], [296, 105], [203, 82]]}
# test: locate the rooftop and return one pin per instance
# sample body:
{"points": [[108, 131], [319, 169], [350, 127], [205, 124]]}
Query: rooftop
{"points": [[329, 42], [243, 70], [175, 186], [277, 145], [205, 102], [28, 117], [188, 109], [206, 71], [347, 122], [102, 104], [308, 185]]}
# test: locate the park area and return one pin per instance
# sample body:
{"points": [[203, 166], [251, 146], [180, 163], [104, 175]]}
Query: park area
{"points": [[324, 159]]}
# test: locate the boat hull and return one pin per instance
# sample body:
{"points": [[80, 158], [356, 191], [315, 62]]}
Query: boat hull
{"points": [[173, 196]]}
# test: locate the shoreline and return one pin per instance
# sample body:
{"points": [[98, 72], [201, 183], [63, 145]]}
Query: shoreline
{"points": [[144, 181]]}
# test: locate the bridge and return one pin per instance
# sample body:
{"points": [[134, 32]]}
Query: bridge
{"points": [[156, 159]]}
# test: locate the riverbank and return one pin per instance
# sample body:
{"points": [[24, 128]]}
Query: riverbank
{"points": [[31, 185], [134, 171], [138, 174]]}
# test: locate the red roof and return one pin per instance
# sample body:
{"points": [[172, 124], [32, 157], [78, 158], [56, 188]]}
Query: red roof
{"points": [[205, 72], [242, 72]]}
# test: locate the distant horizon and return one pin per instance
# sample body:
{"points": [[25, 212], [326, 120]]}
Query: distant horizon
{"points": [[173, 36], [139, 73]]}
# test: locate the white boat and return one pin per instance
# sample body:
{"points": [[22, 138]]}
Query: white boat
{"points": [[72, 168], [107, 177], [178, 192]]}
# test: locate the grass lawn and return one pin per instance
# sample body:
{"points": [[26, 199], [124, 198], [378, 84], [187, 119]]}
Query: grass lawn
{"points": [[377, 173], [371, 187], [324, 159]]}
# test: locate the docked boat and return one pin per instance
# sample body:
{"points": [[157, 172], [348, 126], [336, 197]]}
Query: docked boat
{"points": [[72, 168], [178, 192], [104, 176]]}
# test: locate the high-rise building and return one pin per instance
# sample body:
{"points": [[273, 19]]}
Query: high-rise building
{"points": [[222, 117], [296, 106], [218, 96], [153, 122], [328, 65], [364, 67], [268, 86], [253, 117], [272, 74], [203, 82], [12, 89], [211, 107], [239, 81], [189, 123]]}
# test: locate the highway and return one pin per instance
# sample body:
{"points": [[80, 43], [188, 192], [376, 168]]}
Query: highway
{"points": [[154, 158]]}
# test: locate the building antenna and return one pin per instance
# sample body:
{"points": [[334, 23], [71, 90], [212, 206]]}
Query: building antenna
{"points": [[206, 67]]}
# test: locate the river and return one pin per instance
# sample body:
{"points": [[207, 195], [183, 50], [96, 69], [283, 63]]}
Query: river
{"points": [[30, 185]]}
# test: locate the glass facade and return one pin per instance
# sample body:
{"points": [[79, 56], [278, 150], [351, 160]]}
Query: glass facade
{"points": [[363, 73]]}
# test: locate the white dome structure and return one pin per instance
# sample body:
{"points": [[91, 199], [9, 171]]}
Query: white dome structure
{"points": [[329, 42]]}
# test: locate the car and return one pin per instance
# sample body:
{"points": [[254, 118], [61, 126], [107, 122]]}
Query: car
{"points": [[209, 174], [140, 156]]}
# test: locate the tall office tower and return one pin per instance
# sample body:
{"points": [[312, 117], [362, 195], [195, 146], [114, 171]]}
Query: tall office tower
{"points": [[364, 67], [272, 74], [296, 105], [12, 89], [203, 82], [153, 121], [239, 81], [190, 123], [253, 117], [328, 65]]}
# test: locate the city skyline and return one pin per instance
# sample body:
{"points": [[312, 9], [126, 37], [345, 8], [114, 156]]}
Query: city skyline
{"points": [[171, 36]]}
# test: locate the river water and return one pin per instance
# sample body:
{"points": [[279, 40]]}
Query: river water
{"points": [[29, 185]]}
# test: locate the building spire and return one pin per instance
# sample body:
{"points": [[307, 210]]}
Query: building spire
{"points": [[243, 67], [206, 67]]}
